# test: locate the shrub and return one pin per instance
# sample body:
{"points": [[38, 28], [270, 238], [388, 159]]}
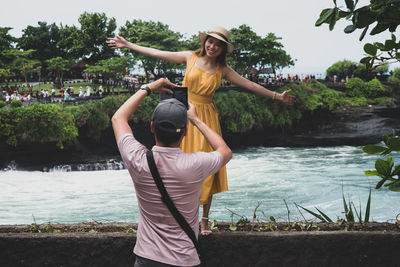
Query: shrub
{"points": [[394, 80], [374, 88], [356, 87], [314, 95], [2, 104], [7, 127], [356, 101], [342, 69], [384, 101], [41, 123], [16, 103]]}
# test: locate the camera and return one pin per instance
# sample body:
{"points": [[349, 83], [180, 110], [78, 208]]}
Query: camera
{"points": [[180, 93]]}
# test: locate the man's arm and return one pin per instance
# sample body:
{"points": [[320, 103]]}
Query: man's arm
{"points": [[121, 116], [214, 139]]}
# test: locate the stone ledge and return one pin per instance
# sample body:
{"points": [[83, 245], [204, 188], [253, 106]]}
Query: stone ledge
{"points": [[333, 248]]}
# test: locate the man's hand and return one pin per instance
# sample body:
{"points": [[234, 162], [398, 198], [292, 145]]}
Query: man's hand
{"points": [[214, 139], [122, 115], [162, 85], [192, 113]]}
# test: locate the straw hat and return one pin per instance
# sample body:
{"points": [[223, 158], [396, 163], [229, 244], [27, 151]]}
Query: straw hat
{"points": [[219, 33]]}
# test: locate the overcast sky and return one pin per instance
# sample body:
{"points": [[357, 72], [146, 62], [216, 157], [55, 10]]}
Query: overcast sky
{"points": [[315, 48]]}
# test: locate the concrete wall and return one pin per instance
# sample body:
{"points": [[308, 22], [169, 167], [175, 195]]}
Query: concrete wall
{"points": [[220, 249]]}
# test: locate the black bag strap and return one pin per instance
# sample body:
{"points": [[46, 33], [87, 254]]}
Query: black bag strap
{"points": [[168, 202]]}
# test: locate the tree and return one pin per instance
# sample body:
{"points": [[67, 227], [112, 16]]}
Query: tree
{"points": [[245, 53], [6, 43], [394, 80], [22, 63], [4, 73], [111, 68], [255, 51], [156, 35], [43, 39], [88, 41], [342, 69], [58, 65], [380, 15], [193, 43], [94, 31], [70, 43]]}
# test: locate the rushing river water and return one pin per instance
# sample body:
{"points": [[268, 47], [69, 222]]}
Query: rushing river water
{"points": [[311, 177]]}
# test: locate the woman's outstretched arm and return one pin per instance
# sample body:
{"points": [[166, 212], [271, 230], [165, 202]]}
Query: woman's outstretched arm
{"points": [[234, 77], [175, 57]]}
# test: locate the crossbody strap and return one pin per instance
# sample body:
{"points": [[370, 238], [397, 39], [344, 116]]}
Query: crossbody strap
{"points": [[168, 202]]}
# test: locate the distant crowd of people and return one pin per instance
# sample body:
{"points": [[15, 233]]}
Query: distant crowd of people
{"points": [[129, 82]]}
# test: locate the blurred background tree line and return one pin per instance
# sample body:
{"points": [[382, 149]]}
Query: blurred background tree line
{"points": [[47, 51]]}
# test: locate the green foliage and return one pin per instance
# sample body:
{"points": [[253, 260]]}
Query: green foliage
{"points": [[93, 33], [193, 43], [16, 103], [111, 68], [342, 69], [98, 120], [156, 35], [5, 73], [252, 50], [350, 212], [385, 169], [7, 127], [355, 87], [36, 124], [59, 66], [314, 95], [95, 116], [241, 112], [383, 14], [45, 123], [2, 103], [6, 43], [42, 39], [394, 80], [360, 101], [22, 63], [384, 101]]}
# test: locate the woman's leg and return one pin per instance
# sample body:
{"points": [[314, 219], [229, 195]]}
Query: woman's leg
{"points": [[204, 220]]}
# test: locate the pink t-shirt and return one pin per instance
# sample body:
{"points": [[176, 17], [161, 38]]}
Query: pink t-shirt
{"points": [[159, 236]]}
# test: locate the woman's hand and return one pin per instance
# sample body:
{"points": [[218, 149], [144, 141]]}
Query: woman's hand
{"points": [[286, 98], [117, 42]]}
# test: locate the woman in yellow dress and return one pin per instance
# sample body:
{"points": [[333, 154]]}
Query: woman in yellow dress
{"points": [[205, 69]]}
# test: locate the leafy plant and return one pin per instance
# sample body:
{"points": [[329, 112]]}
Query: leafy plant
{"points": [[385, 169], [16, 103], [214, 225], [355, 87], [350, 211], [342, 69], [382, 14], [394, 80]]}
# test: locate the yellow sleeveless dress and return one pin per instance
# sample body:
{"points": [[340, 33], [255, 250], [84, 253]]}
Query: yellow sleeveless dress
{"points": [[201, 88]]}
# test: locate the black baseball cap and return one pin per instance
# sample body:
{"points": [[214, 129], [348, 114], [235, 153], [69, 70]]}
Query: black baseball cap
{"points": [[170, 115]]}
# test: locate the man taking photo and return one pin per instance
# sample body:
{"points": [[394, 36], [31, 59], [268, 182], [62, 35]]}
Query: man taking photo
{"points": [[160, 239]]}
